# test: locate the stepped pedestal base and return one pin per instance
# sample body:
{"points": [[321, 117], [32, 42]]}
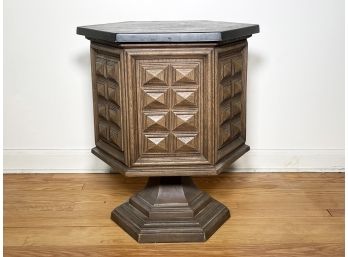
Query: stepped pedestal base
{"points": [[170, 209]]}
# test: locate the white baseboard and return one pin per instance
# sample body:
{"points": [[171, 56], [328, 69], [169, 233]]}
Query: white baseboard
{"points": [[82, 161]]}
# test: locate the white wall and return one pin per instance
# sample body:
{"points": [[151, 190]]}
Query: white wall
{"points": [[295, 78]]}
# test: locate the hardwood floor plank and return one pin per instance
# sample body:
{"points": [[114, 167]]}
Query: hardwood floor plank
{"points": [[336, 212], [181, 250], [273, 214]]}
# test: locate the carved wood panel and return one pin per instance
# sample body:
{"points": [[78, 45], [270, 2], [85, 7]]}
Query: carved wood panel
{"points": [[168, 107], [106, 73], [231, 82], [169, 111]]}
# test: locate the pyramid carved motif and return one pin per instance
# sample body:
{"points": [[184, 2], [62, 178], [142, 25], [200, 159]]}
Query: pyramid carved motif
{"points": [[100, 66], [116, 136], [114, 94], [237, 64], [186, 143], [185, 122], [155, 144], [226, 69], [185, 98], [225, 133], [115, 115], [156, 76], [102, 110], [186, 74], [103, 130], [101, 89], [154, 99], [155, 122], [112, 70], [238, 87]]}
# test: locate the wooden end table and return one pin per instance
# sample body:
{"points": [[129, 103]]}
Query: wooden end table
{"points": [[169, 103]]}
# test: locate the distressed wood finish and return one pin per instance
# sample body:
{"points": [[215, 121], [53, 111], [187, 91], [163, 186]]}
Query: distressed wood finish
{"points": [[286, 214], [169, 101]]}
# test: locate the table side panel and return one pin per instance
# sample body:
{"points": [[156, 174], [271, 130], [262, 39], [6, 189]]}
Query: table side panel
{"points": [[231, 63], [107, 83]]}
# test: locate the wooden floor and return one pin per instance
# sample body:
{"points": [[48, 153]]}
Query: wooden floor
{"points": [[273, 214]]}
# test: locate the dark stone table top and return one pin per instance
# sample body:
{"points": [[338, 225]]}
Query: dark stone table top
{"points": [[168, 31]]}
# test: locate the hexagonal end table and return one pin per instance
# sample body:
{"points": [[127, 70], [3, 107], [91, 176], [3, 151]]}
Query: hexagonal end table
{"points": [[169, 103]]}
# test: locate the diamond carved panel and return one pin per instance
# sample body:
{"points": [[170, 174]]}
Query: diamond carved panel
{"points": [[169, 106], [230, 69], [108, 107]]}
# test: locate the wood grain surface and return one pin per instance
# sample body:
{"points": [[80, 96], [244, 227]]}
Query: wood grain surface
{"points": [[171, 109], [272, 214]]}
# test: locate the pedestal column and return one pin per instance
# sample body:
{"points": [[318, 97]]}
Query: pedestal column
{"points": [[170, 209]]}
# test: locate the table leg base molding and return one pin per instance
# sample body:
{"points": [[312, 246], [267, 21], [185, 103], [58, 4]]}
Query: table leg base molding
{"points": [[170, 209]]}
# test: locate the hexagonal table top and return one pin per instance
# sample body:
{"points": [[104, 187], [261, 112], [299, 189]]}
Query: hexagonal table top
{"points": [[168, 31]]}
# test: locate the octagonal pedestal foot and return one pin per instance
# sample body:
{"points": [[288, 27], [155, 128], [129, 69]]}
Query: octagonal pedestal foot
{"points": [[170, 209]]}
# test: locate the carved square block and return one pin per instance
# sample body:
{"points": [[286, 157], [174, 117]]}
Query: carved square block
{"points": [[236, 127], [224, 133], [237, 63], [101, 88], [186, 143], [185, 121], [186, 74], [115, 115], [114, 93], [100, 65], [116, 136], [226, 68], [237, 86], [156, 143], [225, 112], [112, 70], [236, 106], [185, 97], [156, 122], [103, 130], [155, 74], [103, 110], [226, 92], [155, 98]]}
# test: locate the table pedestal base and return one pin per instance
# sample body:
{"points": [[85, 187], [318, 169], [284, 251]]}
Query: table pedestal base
{"points": [[170, 209]]}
